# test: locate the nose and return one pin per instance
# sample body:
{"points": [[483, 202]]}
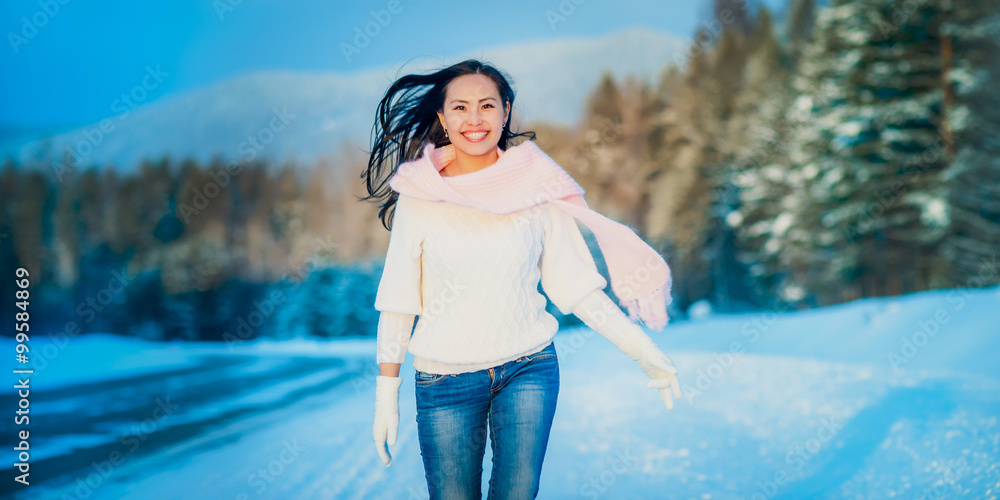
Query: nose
{"points": [[475, 118]]}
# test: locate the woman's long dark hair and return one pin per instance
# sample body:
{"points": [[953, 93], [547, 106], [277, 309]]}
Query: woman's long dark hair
{"points": [[403, 126]]}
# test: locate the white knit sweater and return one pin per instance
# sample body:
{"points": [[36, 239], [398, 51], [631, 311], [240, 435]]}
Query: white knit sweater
{"points": [[472, 278]]}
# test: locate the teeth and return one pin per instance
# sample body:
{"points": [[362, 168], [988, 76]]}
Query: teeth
{"points": [[477, 135]]}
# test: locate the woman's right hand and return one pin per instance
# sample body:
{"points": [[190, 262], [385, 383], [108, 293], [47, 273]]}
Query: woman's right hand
{"points": [[386, 415]]}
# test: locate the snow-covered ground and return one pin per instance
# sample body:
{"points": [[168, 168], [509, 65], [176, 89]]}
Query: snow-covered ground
{"points": [[879, 398]]}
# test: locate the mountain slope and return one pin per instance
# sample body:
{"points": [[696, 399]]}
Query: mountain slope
{"points": [[305, 115]]}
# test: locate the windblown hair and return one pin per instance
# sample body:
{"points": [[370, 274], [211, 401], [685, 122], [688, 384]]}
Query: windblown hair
{"points": [[406, 120]]}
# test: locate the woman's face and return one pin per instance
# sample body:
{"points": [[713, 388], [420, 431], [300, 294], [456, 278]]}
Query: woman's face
{"points": [[473, 114]]}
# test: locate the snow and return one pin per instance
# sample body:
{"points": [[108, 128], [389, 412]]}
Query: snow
{"points": [[793, 292], [701, 309], [119, 357], [935, 213], [782, 222], [810, 171], [734, 219], [850, 128], [877, 398]]}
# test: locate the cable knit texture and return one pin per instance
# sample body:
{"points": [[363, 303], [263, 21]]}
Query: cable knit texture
{"points": [[472, 277], [523, 177]]}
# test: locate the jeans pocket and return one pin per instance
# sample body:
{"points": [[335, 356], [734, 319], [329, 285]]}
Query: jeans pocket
{"points": [[424, 379]]}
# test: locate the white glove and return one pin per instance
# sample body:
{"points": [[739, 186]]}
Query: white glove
{"points": [[386, 415], [602, 315], [662, 372]]}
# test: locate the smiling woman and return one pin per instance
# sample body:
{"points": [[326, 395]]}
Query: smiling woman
{"points": [[478, 224]]}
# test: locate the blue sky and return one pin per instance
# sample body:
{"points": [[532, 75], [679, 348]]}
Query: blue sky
{"points": [[66, 65]]}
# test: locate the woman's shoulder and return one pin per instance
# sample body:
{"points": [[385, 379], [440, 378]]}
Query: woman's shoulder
{"points": [[554, 213]]}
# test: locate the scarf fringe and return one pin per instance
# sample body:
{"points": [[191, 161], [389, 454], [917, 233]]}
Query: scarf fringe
{"points": [[651, 309]]}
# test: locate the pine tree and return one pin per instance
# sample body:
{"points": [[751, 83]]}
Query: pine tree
{"points": [[680, 194], [734, 15], [66, 233], [761, 171], [30, 223], [800, 23], [612, 154], [902, 90], [872, 211], [972, 33], [8, 188], [93, 196], [601, 145], [107, 207], [288, 222], [809, 248], [726, 85], [605, 103]]}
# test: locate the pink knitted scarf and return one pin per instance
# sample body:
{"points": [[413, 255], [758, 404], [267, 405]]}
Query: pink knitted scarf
{"points": [[524, 176]]}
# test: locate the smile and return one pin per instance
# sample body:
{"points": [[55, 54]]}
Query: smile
{"points": [[475, 136]]}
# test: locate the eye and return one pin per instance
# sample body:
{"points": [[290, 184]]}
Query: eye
{"points": [[488, 104], [459, 106]]}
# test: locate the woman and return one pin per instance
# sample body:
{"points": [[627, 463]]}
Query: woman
{"points": [[477, 224]]}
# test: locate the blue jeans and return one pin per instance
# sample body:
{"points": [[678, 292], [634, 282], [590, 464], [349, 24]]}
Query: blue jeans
{"points": [[517, 399]]}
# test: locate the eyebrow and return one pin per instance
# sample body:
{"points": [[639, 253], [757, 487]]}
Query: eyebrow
{"points": [[453, 101]]}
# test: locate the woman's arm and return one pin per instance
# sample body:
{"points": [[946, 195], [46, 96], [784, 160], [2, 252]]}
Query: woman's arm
{"points": [[399, 286], [568, 269], [392, 340], [601, 314]]}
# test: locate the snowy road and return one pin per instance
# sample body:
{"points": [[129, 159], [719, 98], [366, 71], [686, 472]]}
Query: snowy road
{"points": [[808, 405], [194, 408]]}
